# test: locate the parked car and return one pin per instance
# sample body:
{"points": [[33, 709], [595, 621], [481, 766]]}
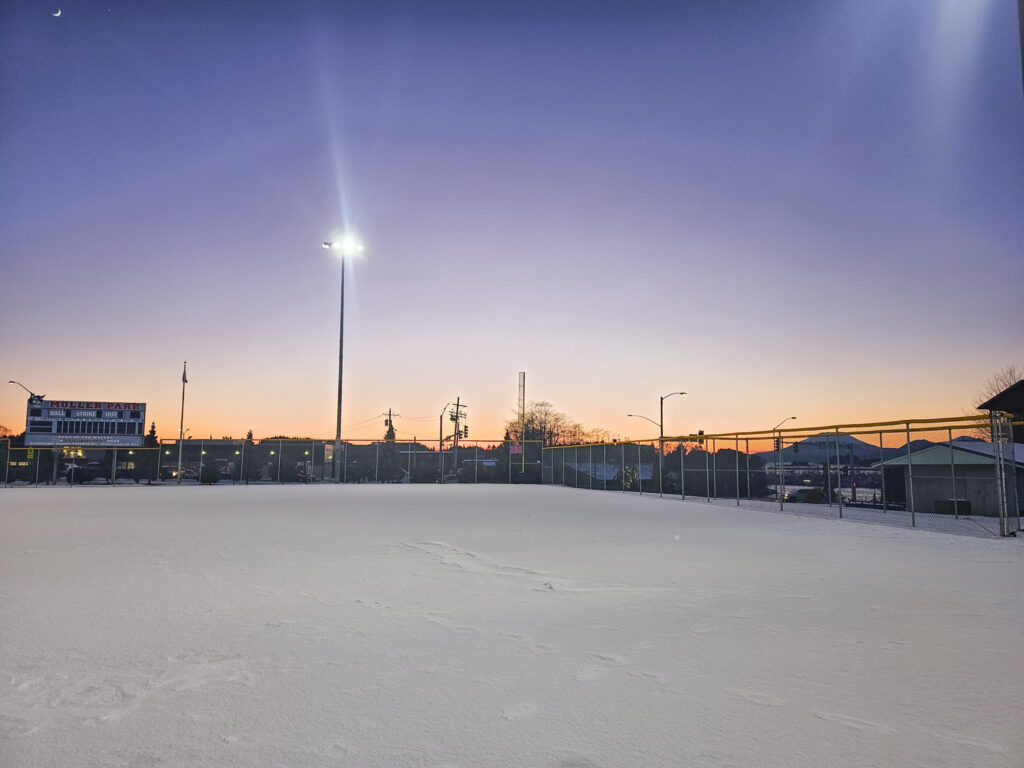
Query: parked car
{"points": [[170, 472], [806, 496]]}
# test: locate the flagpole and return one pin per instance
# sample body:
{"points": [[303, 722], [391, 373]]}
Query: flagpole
{"points": [[181, 424]]}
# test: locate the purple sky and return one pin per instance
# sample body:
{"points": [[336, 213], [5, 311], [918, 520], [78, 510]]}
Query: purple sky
{"points": [[811, 208]]}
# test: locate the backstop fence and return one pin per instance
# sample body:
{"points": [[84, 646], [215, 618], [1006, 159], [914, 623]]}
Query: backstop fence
{"points": [[957, 475]]}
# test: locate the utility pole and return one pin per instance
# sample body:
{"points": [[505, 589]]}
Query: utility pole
{"points": [[440, 445], [457, 416]]}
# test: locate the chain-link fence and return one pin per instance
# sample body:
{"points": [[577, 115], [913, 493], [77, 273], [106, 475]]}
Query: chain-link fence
{"points": [[277, 461], [959, 475]]}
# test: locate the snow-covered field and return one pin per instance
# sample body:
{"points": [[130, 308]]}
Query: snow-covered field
{"points": [[484, 626]]}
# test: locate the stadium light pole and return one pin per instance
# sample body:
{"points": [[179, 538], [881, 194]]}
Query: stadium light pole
{"points": [[1020, 21], [782, 476], [348, 246]]}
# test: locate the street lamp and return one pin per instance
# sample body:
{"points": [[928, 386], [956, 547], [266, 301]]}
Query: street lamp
{"points": [[639, 467], [788, 418], [782, 475], [348, 246], [30, 392], [660, 424]]}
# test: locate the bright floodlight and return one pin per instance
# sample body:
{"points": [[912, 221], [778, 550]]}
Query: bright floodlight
{"points": [[348, 245]]}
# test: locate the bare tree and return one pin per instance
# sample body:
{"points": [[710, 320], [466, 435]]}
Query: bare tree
{"points": [[1002, 379], [546, 423], [1005, 377]]}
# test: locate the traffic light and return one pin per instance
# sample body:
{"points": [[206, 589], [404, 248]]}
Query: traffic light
{"points": [[700, 441], [778, 443], [465, 431]]}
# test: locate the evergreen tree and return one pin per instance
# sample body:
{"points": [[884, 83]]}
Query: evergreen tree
{"points": [[147, 459], [253, 459], [210, 473]]}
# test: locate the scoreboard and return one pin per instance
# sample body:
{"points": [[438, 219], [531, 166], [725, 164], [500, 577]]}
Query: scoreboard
{"points": [[85, 423]]}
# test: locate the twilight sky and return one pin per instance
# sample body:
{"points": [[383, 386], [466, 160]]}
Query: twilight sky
{"points": [[811, 208]]}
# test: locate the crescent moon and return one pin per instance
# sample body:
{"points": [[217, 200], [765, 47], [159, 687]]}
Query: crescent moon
{"points": [[57, 13]]}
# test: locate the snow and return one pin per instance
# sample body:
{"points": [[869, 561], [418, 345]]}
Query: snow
{"points": [[494, 626]]}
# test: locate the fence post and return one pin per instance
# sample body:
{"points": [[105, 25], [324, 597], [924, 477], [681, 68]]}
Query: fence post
{"points": [[661, 480], [590, 473], [1012, 479], [780, 476], [682, 470], [839, 476], [997, 458], [476, 464], [707, 471], [881, 458], [38, 454], [278, 461], [199, 479], [622, 467], [952, 475], [746, 443], [344, 466], [910, 482], [241, 463], [828, 472], [1013, 475], [113, 469], [639, 469], [737, 470], [7, 462], [714, 467], [604, 466]]}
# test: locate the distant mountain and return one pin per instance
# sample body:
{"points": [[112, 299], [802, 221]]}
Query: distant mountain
{"points": [[819, 448]]}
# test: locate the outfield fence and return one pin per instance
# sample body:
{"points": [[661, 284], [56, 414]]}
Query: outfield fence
{"points": [[958, 475], [277, 461]]}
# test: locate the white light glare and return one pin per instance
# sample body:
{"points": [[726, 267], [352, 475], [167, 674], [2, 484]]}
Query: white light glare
{"points": [[348, 245]]}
